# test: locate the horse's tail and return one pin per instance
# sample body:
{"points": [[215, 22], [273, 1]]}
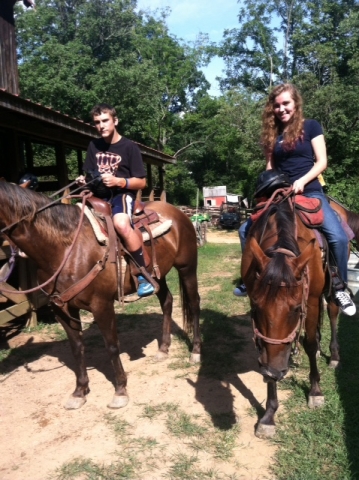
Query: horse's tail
{"points": [[187, 316]]}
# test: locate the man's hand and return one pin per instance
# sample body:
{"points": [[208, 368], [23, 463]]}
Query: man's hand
{"points": [[81, 180], [111, 181]]}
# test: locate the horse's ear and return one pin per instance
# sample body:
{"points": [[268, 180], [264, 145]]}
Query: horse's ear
{"points": [[258, 254], [300, 262]]}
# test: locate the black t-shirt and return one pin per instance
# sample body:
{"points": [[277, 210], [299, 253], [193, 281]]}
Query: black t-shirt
{"points": [[297, 162], [121, 159]]}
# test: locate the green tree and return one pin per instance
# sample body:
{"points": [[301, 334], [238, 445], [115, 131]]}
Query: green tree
{"points": [[313, 45], [73, 54]]}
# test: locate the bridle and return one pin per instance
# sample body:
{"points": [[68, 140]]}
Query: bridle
{"points": [[303, 309], [295, 334]]}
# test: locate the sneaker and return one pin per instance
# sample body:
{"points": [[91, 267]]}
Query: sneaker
{"points": [[345, 303], [144, 287], [240, 291]]}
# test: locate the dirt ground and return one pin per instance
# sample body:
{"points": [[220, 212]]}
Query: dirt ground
{"points": [[37, 435]]}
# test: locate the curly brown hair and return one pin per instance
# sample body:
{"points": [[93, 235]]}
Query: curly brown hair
{"points": [[272, 127]]}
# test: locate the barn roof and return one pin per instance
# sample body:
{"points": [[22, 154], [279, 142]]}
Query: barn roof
{"points": [[43, 124]]}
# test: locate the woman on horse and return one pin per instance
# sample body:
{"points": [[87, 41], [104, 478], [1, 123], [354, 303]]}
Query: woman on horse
{"points": [[296, 147]]}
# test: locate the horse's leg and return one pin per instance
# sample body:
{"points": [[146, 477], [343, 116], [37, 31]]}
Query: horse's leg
{"points": [[311, 345], [266, 425], [104, 315], [73, 330], [333, 312], [166, 301], [191, 307]]}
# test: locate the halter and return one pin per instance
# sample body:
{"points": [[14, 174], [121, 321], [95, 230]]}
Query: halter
{"points": [[303, 310]]}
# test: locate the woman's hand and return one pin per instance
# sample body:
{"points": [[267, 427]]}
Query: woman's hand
{"points": [[298, 186]]}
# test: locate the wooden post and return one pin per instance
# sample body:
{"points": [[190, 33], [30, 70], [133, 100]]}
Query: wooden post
{"points": [[25, 282], [79, 161], [9, 75], [12, 148], [61, 165], [160, 176], [149, 177]]}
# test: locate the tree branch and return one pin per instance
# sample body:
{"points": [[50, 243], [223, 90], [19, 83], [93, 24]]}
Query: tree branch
{"points": [[187, 146]]}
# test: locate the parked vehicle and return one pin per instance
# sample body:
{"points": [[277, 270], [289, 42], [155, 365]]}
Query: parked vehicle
{"points": [[200, 221], [230, 216]]}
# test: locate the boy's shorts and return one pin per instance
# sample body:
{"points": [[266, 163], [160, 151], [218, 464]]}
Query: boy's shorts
{"points": [[122, 203]]}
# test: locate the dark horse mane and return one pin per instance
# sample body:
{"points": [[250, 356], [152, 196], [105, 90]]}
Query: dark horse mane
{"points": [[58, 222], [277, 273]]}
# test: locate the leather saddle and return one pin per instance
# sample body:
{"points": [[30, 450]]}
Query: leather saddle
{"points": [[142, 217]]}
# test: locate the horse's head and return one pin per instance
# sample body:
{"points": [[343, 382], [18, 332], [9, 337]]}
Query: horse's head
{"points": [[277, 287]]}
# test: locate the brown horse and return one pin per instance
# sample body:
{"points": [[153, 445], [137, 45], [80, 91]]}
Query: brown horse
{"points": [[285, 275], [351, 218], [47, 236]]}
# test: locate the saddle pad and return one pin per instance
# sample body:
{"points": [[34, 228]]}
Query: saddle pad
{"points": [[157, 229], [102, 238], [307, 204], [309, 210]]}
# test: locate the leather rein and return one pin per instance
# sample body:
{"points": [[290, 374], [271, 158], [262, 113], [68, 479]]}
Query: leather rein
{"points": [[295, 334]]}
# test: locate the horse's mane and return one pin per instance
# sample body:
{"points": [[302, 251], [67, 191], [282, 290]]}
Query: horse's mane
{"points": [[57, 223], [278, 272]]}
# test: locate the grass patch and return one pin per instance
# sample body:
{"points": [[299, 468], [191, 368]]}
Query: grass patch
{"points": [[180, 424], [322, 443], [53, 330], [85, 469]]}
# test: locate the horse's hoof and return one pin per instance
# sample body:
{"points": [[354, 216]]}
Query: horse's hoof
{"points": [[73, 403], [161, 356], [265, 431], [118, 401], [334, 363], [195, 358], [315, 401]]}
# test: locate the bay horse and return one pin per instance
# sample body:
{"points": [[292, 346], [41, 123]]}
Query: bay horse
{"points": [[46, 236], [286, 278]]}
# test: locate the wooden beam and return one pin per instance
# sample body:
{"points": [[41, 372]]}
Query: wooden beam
{"points": [[13, 312], [14, 297]]}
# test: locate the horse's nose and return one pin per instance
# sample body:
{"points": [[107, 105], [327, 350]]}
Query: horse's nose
{"points": [[270, 373]]}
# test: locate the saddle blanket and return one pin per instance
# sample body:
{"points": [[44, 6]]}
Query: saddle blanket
{"points": [[157, 229]]}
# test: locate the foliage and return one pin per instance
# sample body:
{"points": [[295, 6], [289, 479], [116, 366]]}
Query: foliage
{"points": [[222, 136], [74, 54]]}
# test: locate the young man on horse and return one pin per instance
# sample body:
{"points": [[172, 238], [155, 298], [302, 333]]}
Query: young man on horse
{"points": [[119, 162]]}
